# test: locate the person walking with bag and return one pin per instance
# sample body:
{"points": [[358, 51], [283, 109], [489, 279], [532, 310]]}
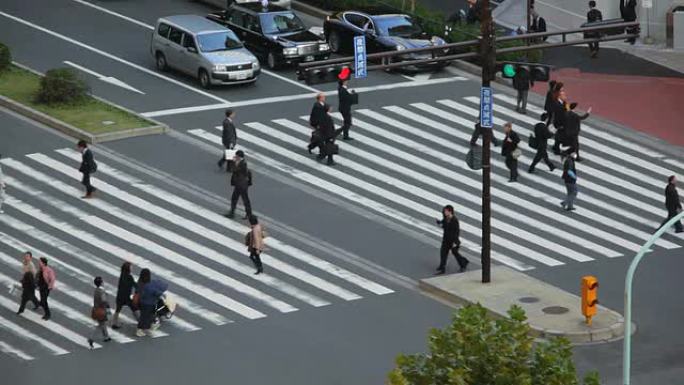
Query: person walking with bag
{"points": [[346, 100], [254, 240], [542, 135], [149, 297], [573, 126], [240, 180], [672, 203], [522, 82], [88, 166], [510, 151], [570, 178], [228, 136], [123, 294], [315, 120], [328, 133], [99, 312], [450, 240], [28, 291], [46, 283]]}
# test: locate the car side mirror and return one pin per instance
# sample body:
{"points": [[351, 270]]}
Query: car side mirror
{"points": [[192, 49], [369, 32]]}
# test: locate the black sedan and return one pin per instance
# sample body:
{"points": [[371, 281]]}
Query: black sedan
{"points": [[384, 32], [274, 34]]}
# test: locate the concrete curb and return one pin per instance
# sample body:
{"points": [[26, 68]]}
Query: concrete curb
{"points": [[31, 113], [614, 331]]}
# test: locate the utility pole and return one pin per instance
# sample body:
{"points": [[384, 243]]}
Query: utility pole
{"points": [[488, 57]]}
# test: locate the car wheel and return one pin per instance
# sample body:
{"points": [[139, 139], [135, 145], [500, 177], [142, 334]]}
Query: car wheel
{"points": [[271, 61], [204, 79], [161, 62], [334, 41]]}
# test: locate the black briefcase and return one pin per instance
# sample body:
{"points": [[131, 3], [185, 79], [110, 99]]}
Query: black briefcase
{"points": [[332, 148], [354, 98]]}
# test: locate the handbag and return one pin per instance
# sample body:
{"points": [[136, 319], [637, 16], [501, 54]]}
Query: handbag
{"points": [[248, 239], [516, 153], [99, 314], [354, 98], [331, 148], [533, 142], [474, 158]]}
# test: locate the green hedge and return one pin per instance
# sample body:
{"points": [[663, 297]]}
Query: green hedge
{"points": [[434, 23], [5, 58], [62, 86]]}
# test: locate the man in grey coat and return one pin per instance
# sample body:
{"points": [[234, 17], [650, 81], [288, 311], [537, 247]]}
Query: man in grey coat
{"points": [[229, 136], [100, 306]]}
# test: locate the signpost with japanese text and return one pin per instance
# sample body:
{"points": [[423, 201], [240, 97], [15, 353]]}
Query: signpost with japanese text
{"points": [[486, 107], [360, 67]]}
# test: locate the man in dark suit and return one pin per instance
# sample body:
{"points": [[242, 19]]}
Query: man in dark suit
{"points": [[558, 114], [88, 166], [240, 180], [327, 130], [628, 13], [522, 82], [672, 203], [346, 99], [573, 122], [593, 16], [543, 134], [570, 178], [315, 118], [450, 240], [228, 136]]}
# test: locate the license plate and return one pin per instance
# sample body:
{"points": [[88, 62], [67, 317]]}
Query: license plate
{"points": [[241, 75], [309, 58]]}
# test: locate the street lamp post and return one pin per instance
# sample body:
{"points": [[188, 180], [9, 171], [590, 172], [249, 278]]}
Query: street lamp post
{"points": [[627, 346], [488, 57]]}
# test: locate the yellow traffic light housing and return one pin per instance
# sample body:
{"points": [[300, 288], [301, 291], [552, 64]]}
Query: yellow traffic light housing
{"points": [[589, 297]]}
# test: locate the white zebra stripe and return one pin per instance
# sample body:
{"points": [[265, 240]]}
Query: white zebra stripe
{"points": [[12, 351], [359, 199], [234, 226], [25, 334]]}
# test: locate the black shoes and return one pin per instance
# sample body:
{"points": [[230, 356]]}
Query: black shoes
{"points": [[90, 342], [552, 168], [347, 138], [259, 271], [230, 215], [309, 150], [331, 163], [440, 271], [46, 317], [116, 327], [464, 267], [530, 170], [107, 339]]}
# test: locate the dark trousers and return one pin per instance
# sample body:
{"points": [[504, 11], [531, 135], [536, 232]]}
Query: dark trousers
{"points": [[317, 143], [678, 224], [558, 139], [238, 193], [28, 295], [44, 293], [444, 254], [522, 99], [512, 165], [86, 182], [542, 154], [146, 316], [347, 122], [593, 48], [255, 256], [329, 143]]}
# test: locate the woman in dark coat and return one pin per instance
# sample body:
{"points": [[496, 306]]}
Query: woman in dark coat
{"points": [[123, 293]]}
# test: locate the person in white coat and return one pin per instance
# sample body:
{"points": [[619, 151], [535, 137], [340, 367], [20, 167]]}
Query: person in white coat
{"points": [[2, 188]]}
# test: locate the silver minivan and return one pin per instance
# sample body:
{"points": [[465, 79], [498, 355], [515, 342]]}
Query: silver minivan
{"points": [[201, 48]]}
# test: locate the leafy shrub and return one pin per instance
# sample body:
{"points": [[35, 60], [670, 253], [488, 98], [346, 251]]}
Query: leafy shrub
{"points": [[5, 57], [62, 85]]}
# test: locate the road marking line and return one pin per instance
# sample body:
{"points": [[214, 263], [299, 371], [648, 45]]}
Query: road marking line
{"points": [[591, 130], [618, 182], [498, 121], [475, 184], [105, 10], [107, 79], [357, 198], [291, 81], [87, 278], [50, 325], [450, 146], [23, 333], [234, 226], [114, 250], [12, 351], [675, 163], [422, 193], [278, 99], [113, 57], [202, 250]]}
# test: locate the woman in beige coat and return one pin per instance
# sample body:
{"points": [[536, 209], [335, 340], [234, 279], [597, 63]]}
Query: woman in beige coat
{"points": [[255, 243]]}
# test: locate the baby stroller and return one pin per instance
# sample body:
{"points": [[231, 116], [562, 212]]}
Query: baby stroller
{"points": [[165, 309]]}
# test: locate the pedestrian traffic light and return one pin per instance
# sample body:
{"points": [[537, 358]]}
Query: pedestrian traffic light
{"points": [[589, 297], [318, 75], [538, 72]]}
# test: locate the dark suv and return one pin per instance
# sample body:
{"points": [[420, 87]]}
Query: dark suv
{"points": [[274, 34]]}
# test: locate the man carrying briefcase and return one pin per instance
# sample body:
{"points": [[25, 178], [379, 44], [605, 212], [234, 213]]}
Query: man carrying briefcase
{"points": [[229, 139]]}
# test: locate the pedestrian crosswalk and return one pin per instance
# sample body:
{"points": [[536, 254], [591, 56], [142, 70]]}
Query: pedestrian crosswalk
{"points": [[408, 161], [194, 248]]}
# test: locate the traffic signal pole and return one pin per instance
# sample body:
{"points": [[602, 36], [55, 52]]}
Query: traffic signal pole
{"points": [[488, 55]]}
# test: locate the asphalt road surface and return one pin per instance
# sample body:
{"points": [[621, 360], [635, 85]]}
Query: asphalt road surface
{"points": [[339, 297]]}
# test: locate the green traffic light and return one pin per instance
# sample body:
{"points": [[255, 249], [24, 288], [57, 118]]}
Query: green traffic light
{"points": [[508, 70]]}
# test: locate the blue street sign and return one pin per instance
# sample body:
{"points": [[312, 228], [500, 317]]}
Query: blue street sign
{"points": [[486, 108], [360, 70]]}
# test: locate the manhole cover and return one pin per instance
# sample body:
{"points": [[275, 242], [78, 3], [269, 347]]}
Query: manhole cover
{"points": [[528, 299], [555, 310]]}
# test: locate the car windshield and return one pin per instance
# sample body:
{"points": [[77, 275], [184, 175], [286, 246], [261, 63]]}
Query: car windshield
{"points": [[401, 26], [275, 23], [218, 41]]}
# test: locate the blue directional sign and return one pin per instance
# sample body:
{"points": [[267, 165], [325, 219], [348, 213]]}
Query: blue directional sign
{"points": [[486, 108], [360, 69]]}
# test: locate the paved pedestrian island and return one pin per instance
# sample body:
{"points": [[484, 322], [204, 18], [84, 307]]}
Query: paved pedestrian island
{"points": [[551, 312]]}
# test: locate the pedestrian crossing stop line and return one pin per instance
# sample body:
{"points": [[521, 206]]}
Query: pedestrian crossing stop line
{"points": [[201, 250], [217, 219], [360, 199]]}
